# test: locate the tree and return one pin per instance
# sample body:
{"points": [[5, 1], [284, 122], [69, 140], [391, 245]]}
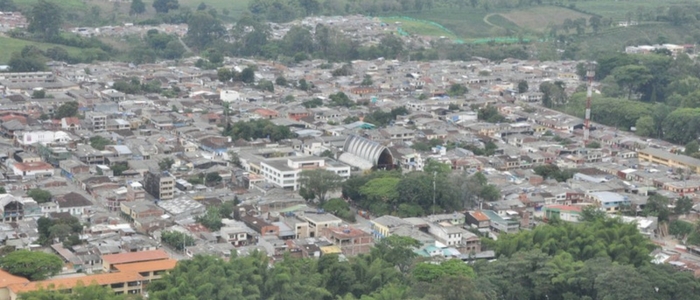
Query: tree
{"points": [[657, 205], [67, 110], [165, 164], [281, 81], [212, 219], [45, 19], [137, 7], [691, 148], [523, 86], [631, 77], [367, 81], [593, 145], [645, 126], [203, 29], [248, 75], [31, 265], [212, 179], [99, 142], [683, 206], [177, 240], [457, 89], [164, 6], [39, 94], [39, 195], [490, 193], [202, 6], [8, 5], [234, 159], [319, 182], [118, 169]]}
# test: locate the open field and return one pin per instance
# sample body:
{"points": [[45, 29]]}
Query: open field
{"points": [[618, 10], [464, 23], [619, 37], [11, 45], [236, 7], [501, 21], [539, 17], [68, 5], [420, 27]]}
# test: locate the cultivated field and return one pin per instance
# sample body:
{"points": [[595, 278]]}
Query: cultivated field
{"points": [[538, 18]]}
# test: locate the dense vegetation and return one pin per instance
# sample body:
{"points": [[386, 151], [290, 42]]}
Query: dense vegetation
{"points": [[89, 292], [601, 259], [655, 93], [412, 194], [63, 230], [31, 265], [257, 129]]}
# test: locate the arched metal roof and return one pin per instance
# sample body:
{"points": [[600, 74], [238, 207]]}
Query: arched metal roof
{"points": [[364, 148]]}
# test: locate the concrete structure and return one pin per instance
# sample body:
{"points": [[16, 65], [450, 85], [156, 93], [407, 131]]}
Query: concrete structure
{"points": [[150, 270], [120, 283], [285, 173], [42, 137], [569, 213], [318, 222], [32, 170], [351, 241], [365, 154], [109, 262], [161, 185], [664, 158], [609, 201]]}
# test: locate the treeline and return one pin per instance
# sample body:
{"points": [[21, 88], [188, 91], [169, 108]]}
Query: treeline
{"points": [[656, 94], [257, 129], [412, 194], [600, 259]]}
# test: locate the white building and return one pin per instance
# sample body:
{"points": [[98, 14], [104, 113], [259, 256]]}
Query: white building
{"points": [[229, 96], [42, 137], [284, 173], [32, 169]]}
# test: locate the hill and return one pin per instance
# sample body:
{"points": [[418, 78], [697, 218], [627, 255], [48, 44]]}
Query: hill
{"points": [[11, 45]]}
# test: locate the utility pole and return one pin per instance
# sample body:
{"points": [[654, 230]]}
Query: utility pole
{"points": [[590, 73], [434, 175]]}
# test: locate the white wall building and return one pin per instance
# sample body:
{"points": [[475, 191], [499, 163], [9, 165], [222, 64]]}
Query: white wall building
{"points": [[284, 173], [42, 137], [230, 96]]}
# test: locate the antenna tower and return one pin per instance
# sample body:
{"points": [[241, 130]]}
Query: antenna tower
{"points": [[590, 73]]}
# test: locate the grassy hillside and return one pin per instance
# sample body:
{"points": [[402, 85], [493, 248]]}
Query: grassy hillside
{"points": [[236, 7], [11, 45], [619, 37], [68, 5]]}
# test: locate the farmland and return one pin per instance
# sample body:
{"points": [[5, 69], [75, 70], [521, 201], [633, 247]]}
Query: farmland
{"points": [[539, 17]]}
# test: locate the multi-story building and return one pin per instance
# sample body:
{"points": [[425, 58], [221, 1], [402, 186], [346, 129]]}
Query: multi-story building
{"points": [[351, 241], [668, 159], [320, 221], [160, 185], [120, 283], [97, 121], [284, 173], [608, 201]]}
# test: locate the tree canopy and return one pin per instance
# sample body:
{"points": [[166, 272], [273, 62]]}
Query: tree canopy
{"points": [[33, 265], [316, 184]]}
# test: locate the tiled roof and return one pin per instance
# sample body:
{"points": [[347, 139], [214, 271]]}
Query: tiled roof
{"points": [[157, 265], [66, 283], [132, 257], [7, 279]]}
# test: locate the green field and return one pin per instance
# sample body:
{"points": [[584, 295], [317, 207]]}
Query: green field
{"points": [[11, 45], [419, 27], [68, 5], [236, 7], [619, 37], [538, 18]]}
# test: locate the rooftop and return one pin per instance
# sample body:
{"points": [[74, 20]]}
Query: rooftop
{"points": [[132, 257], [66, 283], [156, 265]]}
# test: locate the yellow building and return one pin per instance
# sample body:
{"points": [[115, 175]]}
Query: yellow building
{"points": [[121, 283], [668, 159]]}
